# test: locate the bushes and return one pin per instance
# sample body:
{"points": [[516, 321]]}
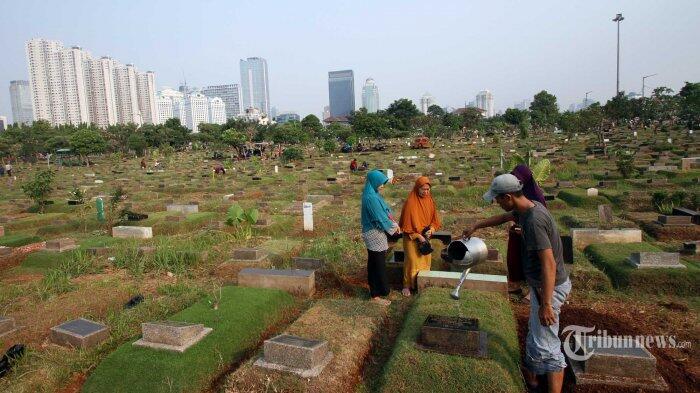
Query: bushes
{"points": [[292, 154]]}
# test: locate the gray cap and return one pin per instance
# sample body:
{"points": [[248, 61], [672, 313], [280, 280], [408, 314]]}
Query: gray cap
{"points": [[503, 184]]}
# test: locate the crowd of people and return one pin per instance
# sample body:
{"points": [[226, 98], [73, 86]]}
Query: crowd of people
{"points": [[534, 255]]}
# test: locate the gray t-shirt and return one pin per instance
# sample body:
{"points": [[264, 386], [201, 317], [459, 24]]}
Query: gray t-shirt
{"points": [[540, 233]]}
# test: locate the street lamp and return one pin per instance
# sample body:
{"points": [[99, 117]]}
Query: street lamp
{"points": [[618, 19], [585, 101], [643, 82]]}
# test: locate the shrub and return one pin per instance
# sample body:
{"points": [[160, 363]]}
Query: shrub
{"points": [[39, 188], [292, 154]]}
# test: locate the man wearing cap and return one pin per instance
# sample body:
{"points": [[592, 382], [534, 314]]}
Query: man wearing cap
{"points": [[543, 265]]}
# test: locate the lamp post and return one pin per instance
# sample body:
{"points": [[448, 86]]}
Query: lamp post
{"points": [[644, 80], [585, 101], [618, 18]]}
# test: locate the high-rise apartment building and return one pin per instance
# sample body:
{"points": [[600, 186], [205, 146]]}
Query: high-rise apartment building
{"points": [[69, 86], [370, 96], [255, 88], [3, 123], [217, 111], [287, 117], [426, 101], [484, 101], [177, 100], [165, 108], [229, 94], [341, 93], [196, 111], [21, 102]]}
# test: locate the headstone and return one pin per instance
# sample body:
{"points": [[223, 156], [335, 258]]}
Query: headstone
{"points": [[592, 192], [652, 260], [228, 197], [5, 251], [568, 248], [79, 333], [453, 335], [98, 251], [182, 209], [60, 245], [582, 237], [249, 255], [177, 218], [129, 232], [473, 281], [304, 357], [605, 216], [171, 335], [305, 263], [492, 255], [7, 326], [675, 220], [308, 213], [681, 211], [301, 282]]}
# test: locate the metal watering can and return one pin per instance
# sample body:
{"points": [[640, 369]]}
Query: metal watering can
{"points": [[467, 252]]}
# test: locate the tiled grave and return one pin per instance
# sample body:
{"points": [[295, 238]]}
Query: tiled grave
{"points": [[249, 255], [301, 282], [171, 335], [304, 357], [60, 245], [674, 221], [182, 209], [655, 260], [695, 215], [129, 232], [79, 333], [305, 263], [453, 335]]}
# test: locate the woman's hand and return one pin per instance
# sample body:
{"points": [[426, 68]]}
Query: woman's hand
{"points": [[429, 232], [421, 238]]}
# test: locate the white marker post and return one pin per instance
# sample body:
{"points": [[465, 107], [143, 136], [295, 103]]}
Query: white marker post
{"points": [[390, 174], [277, 170], [308, 216]]}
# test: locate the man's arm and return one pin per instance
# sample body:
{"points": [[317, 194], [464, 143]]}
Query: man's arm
{"points": [[489, 222], [549, 273]]}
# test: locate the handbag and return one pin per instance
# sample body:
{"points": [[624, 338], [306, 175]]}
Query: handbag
{"points": [[425, 248]]}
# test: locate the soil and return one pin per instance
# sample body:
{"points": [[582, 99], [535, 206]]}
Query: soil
{"points": [[680, 368]]}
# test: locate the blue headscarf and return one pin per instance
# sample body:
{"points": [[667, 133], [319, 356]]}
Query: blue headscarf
{"points": [[375, 212]]}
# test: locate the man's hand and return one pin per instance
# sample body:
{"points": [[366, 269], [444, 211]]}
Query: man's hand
{"points": [[547, 315], [467, 233]]}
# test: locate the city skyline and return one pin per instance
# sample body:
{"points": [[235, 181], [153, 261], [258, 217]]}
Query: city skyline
{"points": [[532, 51]]}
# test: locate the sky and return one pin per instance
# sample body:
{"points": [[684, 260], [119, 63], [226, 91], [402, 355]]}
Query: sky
{"points": [[450, 49]]}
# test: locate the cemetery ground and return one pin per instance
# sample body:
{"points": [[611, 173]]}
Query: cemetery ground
{"points": [[193, 267]]}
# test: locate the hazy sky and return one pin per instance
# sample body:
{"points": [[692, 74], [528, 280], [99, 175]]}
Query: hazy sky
{"points": [[451, 49]]}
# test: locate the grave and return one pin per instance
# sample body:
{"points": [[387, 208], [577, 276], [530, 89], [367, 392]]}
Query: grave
{"points": [[229, 197], [605, 216], [262, 222], [5, 251], [304, 357], [182, 209], [79, 333], [307, 263], [7, 326], [607, 183], [655, 260], [301, 282], [674, 221], [454, 336], [444, 236], [568, 248], [592, 192], [582, 237], [98, 251], [171, 335], [667, 168], [629, 366], [473, 281], [681, 211], [129, 232], [248, 255], [177, 218], [60, 245]]}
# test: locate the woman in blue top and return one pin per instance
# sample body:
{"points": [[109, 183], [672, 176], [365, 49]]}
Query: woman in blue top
{"points": [[377, 221]]}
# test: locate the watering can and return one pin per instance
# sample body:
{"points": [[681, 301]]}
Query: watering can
{"points": [[467, 252]]}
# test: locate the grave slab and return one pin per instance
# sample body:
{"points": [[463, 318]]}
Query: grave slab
{"points": [[7, 326], [304, 357], [171, 335], [5, 251], [453, 335], [182, 209], [79, 333], [665, 220], [655, 260], [605, 215], [305, 263], [695, 215], [60, 245], [444, 236], [301, 282], [249, 255], [473, 281], [582, 237], [129, 232]]}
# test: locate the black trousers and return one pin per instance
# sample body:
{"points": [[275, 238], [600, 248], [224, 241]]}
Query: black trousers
{"points": [[376, 273]]}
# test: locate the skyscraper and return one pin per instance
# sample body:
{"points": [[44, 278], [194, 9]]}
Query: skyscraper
{"points": [[484, 101], [370, 96], [217, 111], [3, 123], [426, 101], [21, 101], [196, 111], [341, 92], [229, 94], [255, 89], [69, 86], [165, 108]]}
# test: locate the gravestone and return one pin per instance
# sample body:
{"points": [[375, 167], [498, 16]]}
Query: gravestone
{"points": [[301, 282], [605, 216], [5, 251], [79, 333], [304, 357], [444, 236], [305, 263], [129, 232], [568, 248], [60, 245], [228, 197], [674, 221], [681, 211], [655, 260], [473, 281], [582, 237], [171, 335], [182, 209], [620, 365], [453, 335], [7, 326], [607, 183], [98, 251], [262, 222], [592, 192], [177, 218], [493, 255], [248, 255]]}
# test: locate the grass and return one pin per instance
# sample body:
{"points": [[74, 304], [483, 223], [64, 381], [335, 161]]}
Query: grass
{"points": [[243, 316], [18, 240], [612, 260], [578, 198], [42, 261], [412, 370], [586, 277]]}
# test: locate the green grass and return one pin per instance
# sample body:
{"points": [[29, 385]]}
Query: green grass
{"points": [[578, 198], [412, 370], [18, 240], [243, 316], [41, 261], [587, 277], [612, 260]]}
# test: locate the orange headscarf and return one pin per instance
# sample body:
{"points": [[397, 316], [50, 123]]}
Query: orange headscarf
{"points": [[419, 212]]}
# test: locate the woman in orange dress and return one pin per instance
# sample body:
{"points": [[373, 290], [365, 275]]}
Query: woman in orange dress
{"points": [[419, 219]]}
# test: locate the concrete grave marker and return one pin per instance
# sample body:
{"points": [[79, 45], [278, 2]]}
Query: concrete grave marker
{"points": [[249, 255], [592, 192], [605, 215], [60, 245], [304, 357], [305, 263], [129, 232], [182, 209], [302, 282], [308, 212], [453, 335], [655, 260], [79, 333], [7, 326], [171, 335], [5, 251]]}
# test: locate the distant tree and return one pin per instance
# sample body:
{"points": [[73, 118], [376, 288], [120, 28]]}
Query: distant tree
{"points": [[689, 110], [471, 117], [39, 188], [515, 116], [370, 125], [544, 109], [401, 112], [137, 142], [235, 139], [436, 111], [312, 125], [87, 141], [57, 142], [340, 132], [618, 108], [452, 121]]}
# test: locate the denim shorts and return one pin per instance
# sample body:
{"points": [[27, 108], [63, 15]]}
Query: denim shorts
{"points": [[543, 347]]}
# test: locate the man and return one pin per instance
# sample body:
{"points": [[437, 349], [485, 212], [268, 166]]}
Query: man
{"points": [[543, 265]]}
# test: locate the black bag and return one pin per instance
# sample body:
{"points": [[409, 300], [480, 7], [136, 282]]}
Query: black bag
{"points": [[425, 248]]}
